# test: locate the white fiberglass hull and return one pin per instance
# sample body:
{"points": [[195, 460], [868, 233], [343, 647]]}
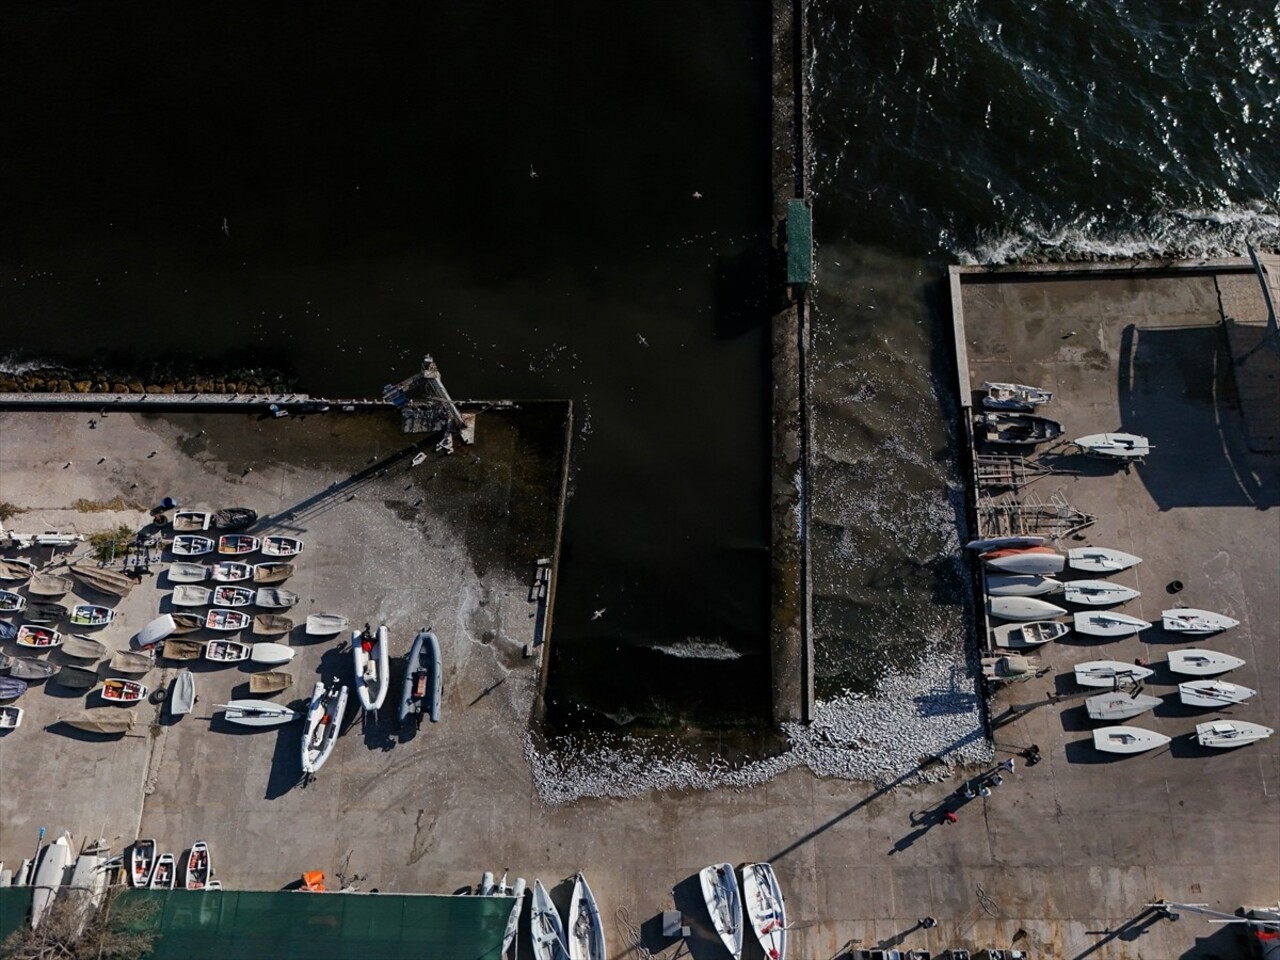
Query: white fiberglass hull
{"points": [[1187, 620], [1098, 623], [1127, 739], [1100, 560], [724, 904], [1202, 663]]}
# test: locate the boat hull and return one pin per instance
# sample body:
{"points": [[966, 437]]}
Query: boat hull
{"points": [[1021, 636], [1212, 693], [1021, 585], [766, 909], [1097, 593], [371, 661], [1033, 560], [324, 723], [586, 928], [1191, 621], [1101, 624], [1202, 663], [546, 930], [1125, 740], [183, 697], [1119, 706], [1106, 673], [1100, 560], [1225, 734], [255, 713], [723, 897], [1022, 608], [1115, 446]]}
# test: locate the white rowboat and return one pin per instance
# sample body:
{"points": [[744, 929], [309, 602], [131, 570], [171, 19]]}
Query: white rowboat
{"points": [[271, 653], [230, 571], [1127, 739], [226, 651], [190, 595], [1017, 636], [142, 859], [189, 545], [281, 546], [165, 872], [325, 624], [226, 620], [180, 572]]}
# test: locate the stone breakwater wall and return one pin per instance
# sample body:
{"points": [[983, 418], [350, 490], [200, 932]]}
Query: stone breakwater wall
{"points": [[71, 380]]}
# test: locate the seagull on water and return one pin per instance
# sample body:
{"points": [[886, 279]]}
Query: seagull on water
{"points": [[598, 614]]}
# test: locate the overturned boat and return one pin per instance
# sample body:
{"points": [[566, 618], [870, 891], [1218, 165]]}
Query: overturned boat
{"points": [[111, 582]]}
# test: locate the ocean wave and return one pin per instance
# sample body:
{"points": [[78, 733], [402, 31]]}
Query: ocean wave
{"points": [[1181, 234]]}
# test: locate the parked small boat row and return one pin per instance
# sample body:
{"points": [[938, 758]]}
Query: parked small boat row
{"points": [[1218, 734], [581, 939]]}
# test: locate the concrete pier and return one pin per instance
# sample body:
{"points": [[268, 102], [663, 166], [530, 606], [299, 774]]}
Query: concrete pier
{"points": [[791, 607]]}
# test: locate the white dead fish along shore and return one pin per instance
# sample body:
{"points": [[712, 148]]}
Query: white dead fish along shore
{"points": [[854, 737]]}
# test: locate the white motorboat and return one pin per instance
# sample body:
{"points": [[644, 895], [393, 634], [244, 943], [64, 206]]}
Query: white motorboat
{"points": [[180, 572], [724, 904], [1041, 560], [275, 546], [49, 874], [273, 653], [190, 595], [1103, 623], [1119, 446], [1022, 608], [155, 631], [1230, 733], [325, 624], [256, 713], [1005, 543], [545, 927], [226, 651], [1098, 593], [324, 723], [1213, 693], [1127, 739], [1119, 705], [165, 872], [1017, 636], [766, 910], [1188, 620], [1013, 396], [1109, 673], [1100, 560], [1202, 663], [1021, 585], [585, 930], [183, 697], [372, 666], [142, 858], [190, 545]]}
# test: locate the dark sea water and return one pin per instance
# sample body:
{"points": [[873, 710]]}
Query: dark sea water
{"points": [[374, 168]]}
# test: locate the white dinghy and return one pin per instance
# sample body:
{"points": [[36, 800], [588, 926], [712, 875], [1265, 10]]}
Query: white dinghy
{"points": [[256, 713], [273, 653], [1230, 733], [155, 631], [371, 660], [1107, 673], [766, 911], [1017, 636], [324, 723], [1202, 663], [1005, 543], [1119, 705], [189, 545], [586, 928], [1116, 446], [1098, 593], [724, 904], [1127, 739], [325, 624], [1102, 623], [190, 595], [545, 927], [1188, 620], [1022, 608], [1036, 560], [180, 572], [1212, 693], [1021, 585], [49, 875], [1100, 560]]}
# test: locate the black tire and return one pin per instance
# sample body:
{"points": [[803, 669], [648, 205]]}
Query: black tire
{"points": [[159, 696]]}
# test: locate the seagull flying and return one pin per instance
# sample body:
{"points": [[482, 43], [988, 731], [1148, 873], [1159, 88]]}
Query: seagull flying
{"points": [[598, 614], [533, 174], [697, 195], [643, 341], [226, 229]]}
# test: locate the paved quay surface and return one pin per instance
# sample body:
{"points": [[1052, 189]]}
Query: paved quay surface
{"points": [[1064, 855]]}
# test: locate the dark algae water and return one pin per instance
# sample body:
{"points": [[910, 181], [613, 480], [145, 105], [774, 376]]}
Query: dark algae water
{"points": [[510, 187], [341, 188]]}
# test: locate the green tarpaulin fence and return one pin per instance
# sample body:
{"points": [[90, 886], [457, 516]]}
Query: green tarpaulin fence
{"points": [[316, 926]]}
